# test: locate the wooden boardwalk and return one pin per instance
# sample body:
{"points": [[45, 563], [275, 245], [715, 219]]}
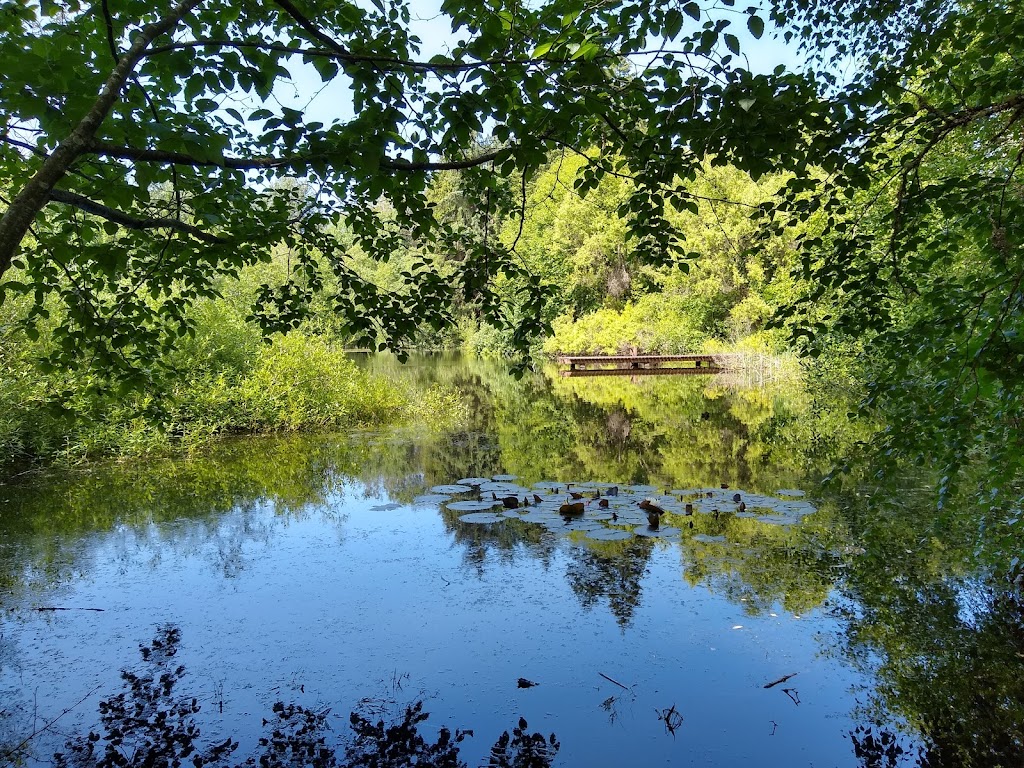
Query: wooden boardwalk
{"points": [[644, 365]]}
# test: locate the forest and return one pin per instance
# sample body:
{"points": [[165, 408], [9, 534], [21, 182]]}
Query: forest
{"points": [[186, 255]]}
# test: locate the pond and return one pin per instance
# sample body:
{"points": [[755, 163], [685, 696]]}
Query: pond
{"points": [[338, 573]]}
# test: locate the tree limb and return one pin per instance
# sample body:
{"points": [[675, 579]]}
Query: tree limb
{"points": [[271, 161], [312, 29], [338, 54], [391, 63], [127, 220], [34, 195]]}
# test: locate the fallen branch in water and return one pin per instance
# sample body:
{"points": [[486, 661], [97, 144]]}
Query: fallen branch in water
{"points": [[782, 679], [48, 608], [671, 718], [10, 754], [611, 680]]}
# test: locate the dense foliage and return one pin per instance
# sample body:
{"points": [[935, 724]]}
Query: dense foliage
{"points": [[548, 167], [612, 301], [920, 262], [128, 204], [220, 379]]}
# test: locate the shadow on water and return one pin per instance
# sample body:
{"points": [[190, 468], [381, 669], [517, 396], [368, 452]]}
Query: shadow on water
{"points": [[152, 723], [917, 608]]}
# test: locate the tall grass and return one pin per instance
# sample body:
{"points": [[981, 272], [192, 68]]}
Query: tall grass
{"points": [[224, 379]]}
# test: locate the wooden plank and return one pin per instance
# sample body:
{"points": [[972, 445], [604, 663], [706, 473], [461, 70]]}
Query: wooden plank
{"points": [[619, 359], [672, 371]]}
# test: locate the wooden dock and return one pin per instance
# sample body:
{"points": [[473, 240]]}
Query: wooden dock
{"points": [[645, 365]]}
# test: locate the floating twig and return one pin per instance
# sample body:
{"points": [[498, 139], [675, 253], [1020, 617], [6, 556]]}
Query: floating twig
{"points": [[612, 680], [608, 705], [671, 718], [16, 751], [54, 608], [775, 727], [794, 696], [782, 679]]}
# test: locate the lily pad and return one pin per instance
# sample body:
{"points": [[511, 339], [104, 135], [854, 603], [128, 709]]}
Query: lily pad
{"points": [[481, 517], [451, 489], [474, 481], [801, 507], [505, 478], [640, 489], [706, 539], [504, 489], [549, 486], [385, 507], [664, 531], [547, 498], [582, 525], [541, 517], [431, 498], [790, 492], [631, 518], [470, 506], [610, 534], [772, 520]]}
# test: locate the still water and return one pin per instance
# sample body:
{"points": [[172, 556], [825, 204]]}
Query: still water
{"points": [[328, 572]]}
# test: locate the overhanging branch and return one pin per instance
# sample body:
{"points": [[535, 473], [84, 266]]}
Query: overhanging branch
{"points": [[339, 54], [16, 220], [264, 162], [127, 220]]}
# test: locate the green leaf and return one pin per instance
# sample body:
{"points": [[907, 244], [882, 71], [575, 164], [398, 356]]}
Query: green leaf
{"points": [[673, 23], [541, 50], [193, 87], [586, 51], [756, 26], [732, 42]]}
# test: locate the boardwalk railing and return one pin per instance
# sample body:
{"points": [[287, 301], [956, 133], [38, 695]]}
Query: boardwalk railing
{"points": [[631, 365]]}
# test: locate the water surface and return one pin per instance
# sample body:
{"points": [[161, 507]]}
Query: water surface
{"points": [[303, 570]]}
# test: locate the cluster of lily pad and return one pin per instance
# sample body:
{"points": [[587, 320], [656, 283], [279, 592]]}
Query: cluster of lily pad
{"points": [[609, 512]]}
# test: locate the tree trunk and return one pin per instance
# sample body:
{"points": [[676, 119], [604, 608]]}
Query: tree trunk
{"points": [[36, 193]]}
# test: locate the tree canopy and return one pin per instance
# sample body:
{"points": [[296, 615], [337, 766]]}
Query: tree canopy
{"points": [[142, 146]]}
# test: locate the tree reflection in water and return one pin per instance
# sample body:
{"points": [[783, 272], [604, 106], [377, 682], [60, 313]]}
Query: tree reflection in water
{"points": [[611, 570], [929, 614], [151, 723], [940, 626], [502, 540]]}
